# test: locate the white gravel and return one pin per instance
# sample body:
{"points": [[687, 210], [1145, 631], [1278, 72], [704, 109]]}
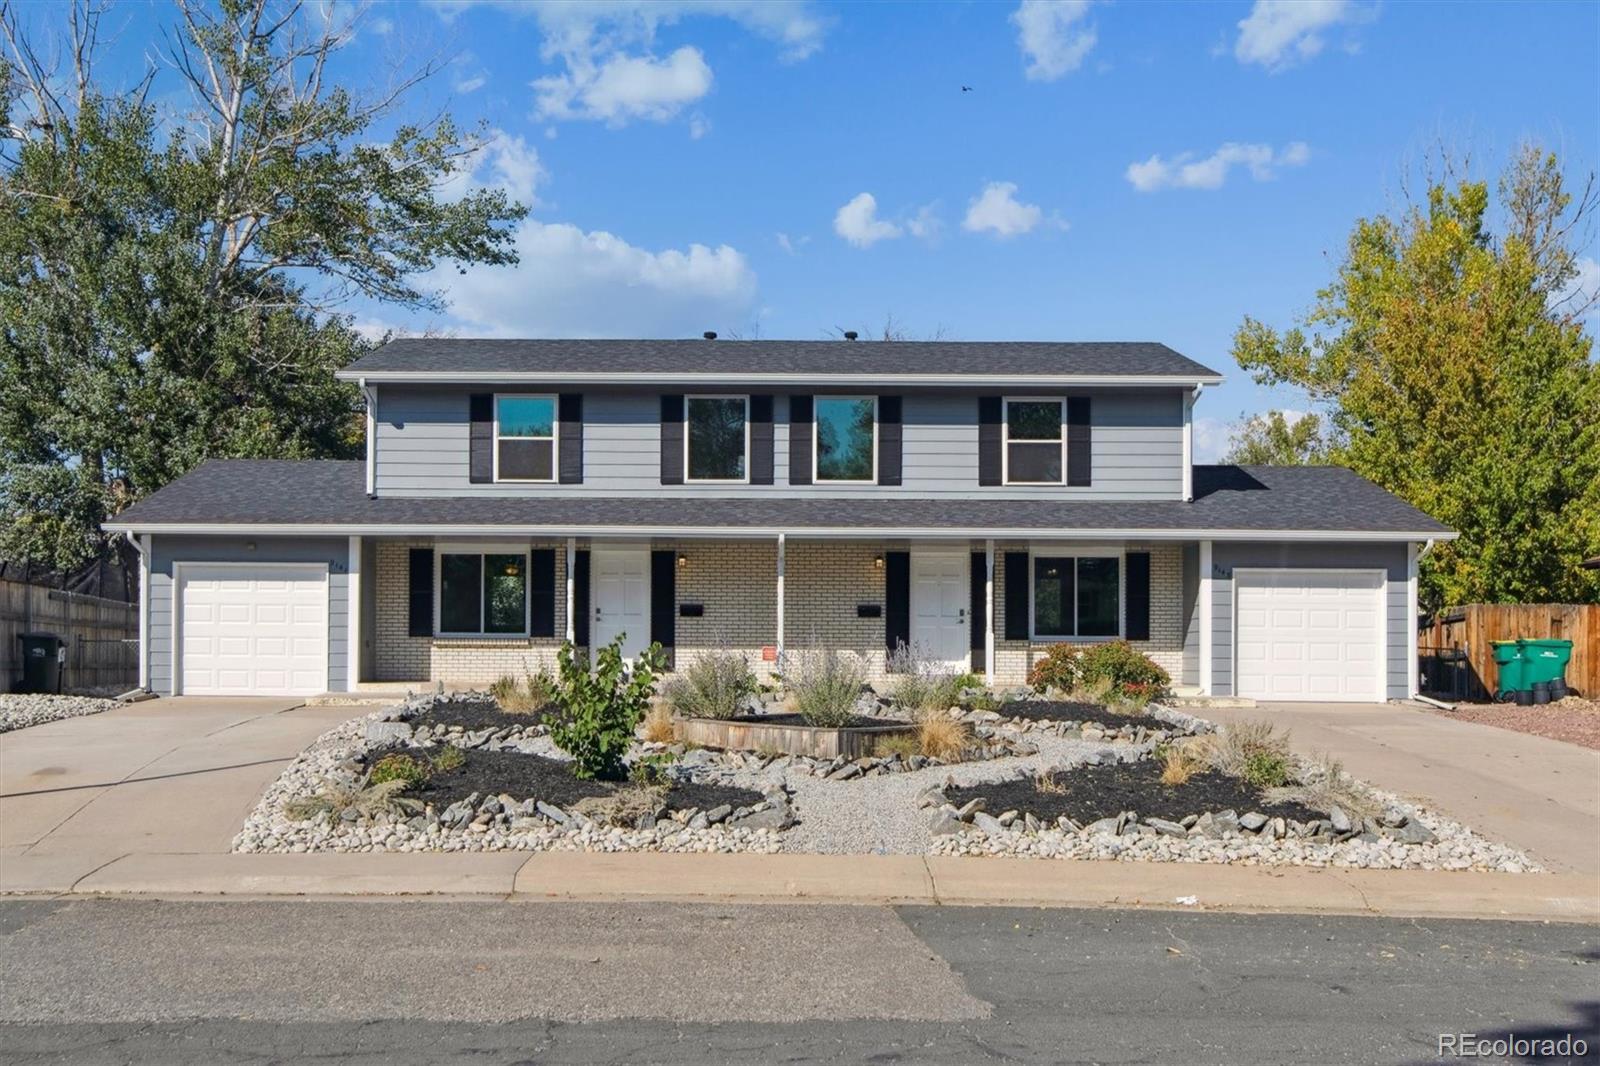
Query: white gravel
{"points": [[866, 815], [20, 710]]}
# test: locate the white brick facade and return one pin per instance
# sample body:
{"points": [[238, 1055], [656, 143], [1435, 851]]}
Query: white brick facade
{"points": [[735, 582]]}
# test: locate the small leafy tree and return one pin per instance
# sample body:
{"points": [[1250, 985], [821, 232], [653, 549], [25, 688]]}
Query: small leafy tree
{"points": [[1272, 439], [597, 710]]}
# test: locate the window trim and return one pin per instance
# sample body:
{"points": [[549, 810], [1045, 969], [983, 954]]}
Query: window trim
{"points": [[816, 439], [521, 548], [1076, 552], [1005, 441], [689, 398], [554, 438]]}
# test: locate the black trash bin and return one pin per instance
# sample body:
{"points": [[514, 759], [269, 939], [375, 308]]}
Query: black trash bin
{"points": [[43, 656]]}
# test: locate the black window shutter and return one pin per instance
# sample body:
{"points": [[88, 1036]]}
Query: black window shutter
{"points": [[989, 415], [420, 618], [799, 440], [571, 438], [890, 438], [480, 437], [542, 593], [1136, 581], [672, 439], [1080, 460], [761, 440], [896, 600], [978, 607], [580, 599], [664, 600], [1016, 595]]}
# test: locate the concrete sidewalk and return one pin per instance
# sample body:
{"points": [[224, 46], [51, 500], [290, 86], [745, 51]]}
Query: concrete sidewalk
{"points": [[846, 879], [1533, 793]]}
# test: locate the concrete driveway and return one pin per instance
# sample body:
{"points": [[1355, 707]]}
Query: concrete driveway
{"points": [[1537, 794], [166, 775]]}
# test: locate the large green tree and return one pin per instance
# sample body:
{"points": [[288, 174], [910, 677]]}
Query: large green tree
{"points": [[1454, 368], [1275, 439], [172, 281]]}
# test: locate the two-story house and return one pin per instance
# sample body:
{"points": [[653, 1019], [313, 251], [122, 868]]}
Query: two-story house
{"points": [[975, 501]]}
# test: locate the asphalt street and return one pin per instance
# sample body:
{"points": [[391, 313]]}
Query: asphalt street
{"points": [[121, 981]]}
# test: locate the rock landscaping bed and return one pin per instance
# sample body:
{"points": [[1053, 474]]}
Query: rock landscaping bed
{"points": [[21, 710], [1575, 720]]}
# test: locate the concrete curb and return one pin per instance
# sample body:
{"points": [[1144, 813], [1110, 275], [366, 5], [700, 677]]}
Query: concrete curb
{"points": [[842, 879]]}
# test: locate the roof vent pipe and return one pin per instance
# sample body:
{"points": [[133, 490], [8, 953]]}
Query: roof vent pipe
{"points": [[850, 334], [709, 335]]}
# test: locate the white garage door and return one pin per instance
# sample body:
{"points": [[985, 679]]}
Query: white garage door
{"points": [[252, 630], [1309, 634]]}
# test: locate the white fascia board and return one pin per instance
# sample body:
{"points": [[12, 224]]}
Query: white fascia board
{"points": [[505, 377], [752, 532]]}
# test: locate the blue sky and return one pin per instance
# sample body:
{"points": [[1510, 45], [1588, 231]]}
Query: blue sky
{"points": [[1117, 171]]}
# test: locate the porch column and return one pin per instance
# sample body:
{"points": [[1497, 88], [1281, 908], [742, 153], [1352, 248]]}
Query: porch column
{"points": [[572, 564], [352, 676], [781, 547], [1205, 618], [988, 612]]}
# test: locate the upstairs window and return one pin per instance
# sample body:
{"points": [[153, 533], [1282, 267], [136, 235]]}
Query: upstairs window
{"points": [[524, 438], [1076, 596], [717, 437], [1035, 443], [846, 444], [483, 593]]}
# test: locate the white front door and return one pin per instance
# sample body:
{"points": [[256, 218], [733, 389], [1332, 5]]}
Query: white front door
{"points": [[1310, 635], [251, 630], [939, 596], [621, 580]]}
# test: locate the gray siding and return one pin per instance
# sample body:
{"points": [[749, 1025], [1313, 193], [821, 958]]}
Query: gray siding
{"points": [[1137, 439], [1389, 557], [166, 550]]}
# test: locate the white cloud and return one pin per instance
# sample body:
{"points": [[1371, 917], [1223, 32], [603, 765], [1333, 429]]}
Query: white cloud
{"points": [[1212, 439], [1277, 34], [997, 210], [625, 87], [1184, 171], [858, 222], [1052, 36], [1581, 294], [505, 162], [470, 84], [791, 245], [469, 76], [573, 283], [926, 225], [381, 26], [699, 126], [610, 71]]}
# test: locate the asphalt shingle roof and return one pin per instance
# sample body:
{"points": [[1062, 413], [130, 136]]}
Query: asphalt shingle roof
{"points": [[332, 493], [672, 357]]}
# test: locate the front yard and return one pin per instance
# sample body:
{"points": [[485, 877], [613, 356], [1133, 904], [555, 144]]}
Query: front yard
{"points": [[1098, 772]]}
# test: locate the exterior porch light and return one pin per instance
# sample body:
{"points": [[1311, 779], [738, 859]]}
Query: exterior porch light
{"points": [[683, 560], [877, 561]]}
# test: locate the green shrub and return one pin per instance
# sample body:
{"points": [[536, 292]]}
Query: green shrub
{"points": [[904, 745], [922, 684], [651, 771], [398, 767], [1115, 664], [714, 686], [360, 795], [1265, 769], [596, 711], [825, 687], [532, 694], [448, 757]]}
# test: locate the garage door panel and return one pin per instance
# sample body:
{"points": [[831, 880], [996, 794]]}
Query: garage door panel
{"points": [[1309, 635], [253, 630]]}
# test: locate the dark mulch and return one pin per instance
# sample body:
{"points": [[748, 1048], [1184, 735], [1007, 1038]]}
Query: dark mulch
{"points": [[858, 722], [473, 715], [1071, 711], [1095, 792], [522, 777]]}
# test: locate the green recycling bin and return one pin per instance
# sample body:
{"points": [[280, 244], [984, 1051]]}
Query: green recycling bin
{"points": [[1510, 668], [1544, 660]]}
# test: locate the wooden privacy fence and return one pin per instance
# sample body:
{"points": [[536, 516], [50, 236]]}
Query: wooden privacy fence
{"points": [[102, 635], [1457, 660]]}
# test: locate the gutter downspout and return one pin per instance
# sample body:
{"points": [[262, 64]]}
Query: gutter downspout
{"points": [[142, 546], [371, 395]]}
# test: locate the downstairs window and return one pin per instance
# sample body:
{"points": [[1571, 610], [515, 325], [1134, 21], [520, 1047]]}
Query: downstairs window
{"points": [[1076, 596], [483, 594]]}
